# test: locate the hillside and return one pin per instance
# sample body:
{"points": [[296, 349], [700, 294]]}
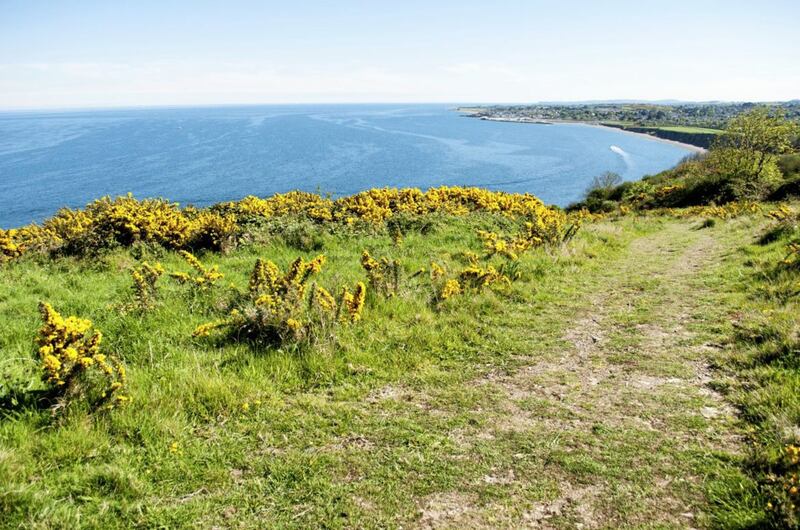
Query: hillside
{"points": [[584, 377]]}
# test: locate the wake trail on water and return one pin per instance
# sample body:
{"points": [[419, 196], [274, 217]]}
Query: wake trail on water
{"points": [[625, 156]]}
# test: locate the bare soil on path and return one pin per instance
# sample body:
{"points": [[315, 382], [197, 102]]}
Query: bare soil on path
{"points": [[621, 421]]}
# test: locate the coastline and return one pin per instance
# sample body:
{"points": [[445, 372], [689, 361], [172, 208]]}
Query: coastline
{"points": [[689, 147], [472, 114]]}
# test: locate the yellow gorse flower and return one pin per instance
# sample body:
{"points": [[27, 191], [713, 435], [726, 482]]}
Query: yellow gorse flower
{"points": [[144, 283], [479, 277], [324, 299], [353, 303], [127, 220], [276, 305], [451, 288], [69, 346], [436, 271], [204, 278], [383, 275]]}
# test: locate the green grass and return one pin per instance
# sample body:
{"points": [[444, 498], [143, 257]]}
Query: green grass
{"points": [[570, 397], [689, 130], [674, 128]]}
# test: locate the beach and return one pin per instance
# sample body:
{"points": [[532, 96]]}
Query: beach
{"points": [[470, 113]]}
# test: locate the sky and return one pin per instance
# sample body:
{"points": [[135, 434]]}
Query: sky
{"points": [[100, 53]]}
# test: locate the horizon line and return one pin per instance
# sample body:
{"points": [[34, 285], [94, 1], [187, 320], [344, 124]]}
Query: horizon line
{"points": [[665, 102]]}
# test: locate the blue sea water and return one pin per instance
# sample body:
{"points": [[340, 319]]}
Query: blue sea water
{"points": [[201, 156]]}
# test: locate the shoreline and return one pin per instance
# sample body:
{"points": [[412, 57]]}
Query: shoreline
{"points": [[690, 147], [541, 121]]}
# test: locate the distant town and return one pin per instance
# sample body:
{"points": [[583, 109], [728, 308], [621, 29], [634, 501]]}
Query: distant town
{"points": [[692, 123]]}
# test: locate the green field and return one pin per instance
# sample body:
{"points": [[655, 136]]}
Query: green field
{"points": [[689, 130], [673, 128], [597, 390]]}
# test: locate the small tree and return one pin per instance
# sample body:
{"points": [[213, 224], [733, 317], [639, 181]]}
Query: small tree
{"points": [[604, 183], [747, 152], [600, 190]]}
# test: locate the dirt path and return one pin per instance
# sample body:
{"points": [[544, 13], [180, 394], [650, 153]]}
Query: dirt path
{"points": [[622, 420]]}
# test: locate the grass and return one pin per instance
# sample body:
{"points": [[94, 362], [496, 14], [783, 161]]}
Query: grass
{"points": [[674, 128], [576, 396], [689, 130]]}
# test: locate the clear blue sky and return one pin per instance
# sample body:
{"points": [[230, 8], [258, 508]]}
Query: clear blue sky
{"points": [[85, 53]]}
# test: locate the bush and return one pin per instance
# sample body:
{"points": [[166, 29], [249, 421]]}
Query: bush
{"points": [[303, 235], [127, 221], [383, 274], [72, 363], [204, 277], [603, 184], [790, 165], [637, 192], [279, 308], [145, 290]]}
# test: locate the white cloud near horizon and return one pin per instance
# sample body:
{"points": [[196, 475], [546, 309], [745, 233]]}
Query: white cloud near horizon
{"points": [[99, 84]]}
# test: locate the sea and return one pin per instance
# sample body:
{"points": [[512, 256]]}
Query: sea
{"points": [[204, 155]]}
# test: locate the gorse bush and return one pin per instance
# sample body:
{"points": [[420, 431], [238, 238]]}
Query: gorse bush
{"points": [[449, 289], [72, 363], [278, 306], [785, 488], [125, 220], [471, 279], [202, 278], [352, 303], [9, 247], [477, 277], [532, 234], [145, 290], [383, 274], [379, 205]]}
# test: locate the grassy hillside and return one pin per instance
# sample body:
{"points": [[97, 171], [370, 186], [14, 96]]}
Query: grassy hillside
{"points": [[692, 183], [579, 378]]}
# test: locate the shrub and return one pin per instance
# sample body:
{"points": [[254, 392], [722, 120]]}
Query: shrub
{"points": [[383, 275], [473, 278], [788, 189], [603, 184], [450, 288], [145, 290], [211, 230], [747, 154], [303, 235], [494, 244], [790, 165], [640, 191], [785, 489], [279, 308], [203, 279], [72, 363], [127, 221], [747, 175], [352, 303], [476, 277], [531, 235], [9, 247]]}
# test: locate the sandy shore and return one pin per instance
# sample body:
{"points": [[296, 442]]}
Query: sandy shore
{"points": [[689, 147]]}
